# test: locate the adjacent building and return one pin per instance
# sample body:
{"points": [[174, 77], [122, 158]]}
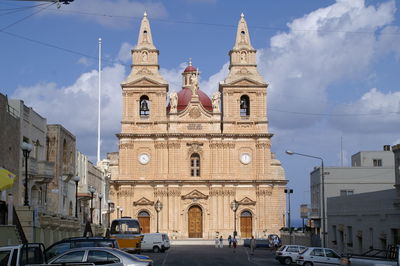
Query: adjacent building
{"points": [[199, 156]]}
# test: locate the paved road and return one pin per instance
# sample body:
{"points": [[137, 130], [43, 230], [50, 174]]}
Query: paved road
{"points": [[209, 255]]}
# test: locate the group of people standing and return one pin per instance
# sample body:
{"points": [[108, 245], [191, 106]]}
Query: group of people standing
{"points": [[232, 242]]}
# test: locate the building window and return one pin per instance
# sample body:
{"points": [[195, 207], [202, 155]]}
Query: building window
{"points": [[377, 162], [244, 106], [144, 106], [349, 236], [334, 235], [346, 192], [195, 164]]}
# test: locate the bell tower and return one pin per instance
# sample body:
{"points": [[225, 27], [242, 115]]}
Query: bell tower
{"points": [[145, 90], [244, 90]]}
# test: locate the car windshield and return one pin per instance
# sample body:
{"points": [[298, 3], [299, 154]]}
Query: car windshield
{"points": [[125, 227], [303, 250], [281, 248]]}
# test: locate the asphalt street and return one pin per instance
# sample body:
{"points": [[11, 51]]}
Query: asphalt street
{"points": [[209, 255]]}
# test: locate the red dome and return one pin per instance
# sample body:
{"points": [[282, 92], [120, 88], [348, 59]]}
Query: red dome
{"points": [[190, 68], [185, 95]]}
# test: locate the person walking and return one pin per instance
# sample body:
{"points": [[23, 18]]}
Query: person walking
{"points": [[221, 242], [234, 244], [252, 245], [216, 242], [230, 241]]}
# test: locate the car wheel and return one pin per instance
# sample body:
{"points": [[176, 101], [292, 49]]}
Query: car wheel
{"points": [[156, 249], [287, 261], [307, 263]]}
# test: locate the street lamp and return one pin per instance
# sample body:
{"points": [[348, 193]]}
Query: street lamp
{"points": [[76, 179], [323, 218], [100, 198], [289, 191], [92, 190], [109, 202], [121, 210], [158, 207], [234, 207], [26, 149]]}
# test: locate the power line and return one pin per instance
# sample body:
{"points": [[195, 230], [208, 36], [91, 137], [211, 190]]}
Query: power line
{"points": [[333, 114]]}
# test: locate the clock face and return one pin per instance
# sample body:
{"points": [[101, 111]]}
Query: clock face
{"points": [[245, 158], [144, 158]]}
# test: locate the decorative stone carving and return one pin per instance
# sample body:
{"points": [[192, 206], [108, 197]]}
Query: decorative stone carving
{"points": [[173, 100], [222, 145], [195, 147], [216, 99], [165, 145], [264, 192], [195, 194], [247, 201], [194, 113], [143, 202], [174, 192], [145, 71], [126, 146], [263, 145]]}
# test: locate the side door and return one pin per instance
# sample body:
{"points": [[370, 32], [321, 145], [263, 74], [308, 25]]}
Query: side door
{"points": [[331, 257], [102, 257], [317, 256], [292, 251], [5, 257]]}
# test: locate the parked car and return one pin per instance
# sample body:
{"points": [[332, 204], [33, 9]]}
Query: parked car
{"points": [[376, 257], [20, 255], [78, 242], [288, 253], [156, 242], [260, 243], [101, 256], [315, 256]]}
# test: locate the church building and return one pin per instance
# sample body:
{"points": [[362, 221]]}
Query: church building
{"points": [[196, 166]]}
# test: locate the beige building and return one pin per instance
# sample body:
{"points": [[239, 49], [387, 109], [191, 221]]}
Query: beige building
{"points": [[198, 155]]}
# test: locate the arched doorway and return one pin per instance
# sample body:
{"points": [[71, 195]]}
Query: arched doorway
{"points": [[144, 220], [195, 225], [246, 225]]}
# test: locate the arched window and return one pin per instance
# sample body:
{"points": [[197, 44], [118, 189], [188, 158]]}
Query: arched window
{"points": [[144, 106], [244, 105], [195, 164], [245, 214]]}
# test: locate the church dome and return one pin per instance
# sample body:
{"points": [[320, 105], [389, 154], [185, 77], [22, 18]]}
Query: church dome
{"points": [[190, 68], [185, 95]]}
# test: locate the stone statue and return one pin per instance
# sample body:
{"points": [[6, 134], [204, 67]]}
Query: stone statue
{"points": [[194, 83], [216, 98], [173, 100]]}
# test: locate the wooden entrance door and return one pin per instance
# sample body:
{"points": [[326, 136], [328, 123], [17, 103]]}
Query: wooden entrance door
{"points": [[195, 217], [246, 225], [144, 220]]}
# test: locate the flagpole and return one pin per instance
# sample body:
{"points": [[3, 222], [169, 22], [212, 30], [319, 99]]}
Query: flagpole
{"points": [[99, 103]]}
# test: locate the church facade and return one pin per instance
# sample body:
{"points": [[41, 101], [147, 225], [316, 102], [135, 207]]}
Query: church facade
{"points": [[205, 163]]}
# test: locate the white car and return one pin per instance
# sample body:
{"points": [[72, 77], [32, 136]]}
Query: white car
{"points": [[316, 256], [288, 253], [156, 242]]}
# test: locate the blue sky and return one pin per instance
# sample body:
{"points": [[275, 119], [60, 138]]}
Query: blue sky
{"points": [[332, 66]]}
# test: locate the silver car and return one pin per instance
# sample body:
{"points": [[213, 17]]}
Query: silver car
{"points": [[101, 256], [288, 253], [316, 256]]}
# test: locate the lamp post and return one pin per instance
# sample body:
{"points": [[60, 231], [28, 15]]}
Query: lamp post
{"points": [[121, 210], [118, 212], [109, 202], [289, 191], [234, 207], [92, 190], [100, 198], [76, 179], [158, 207], [323, 216], [26, 149]]}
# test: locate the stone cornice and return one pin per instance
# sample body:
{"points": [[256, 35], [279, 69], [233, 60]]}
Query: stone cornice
{"points": [[195, 135], [198, 182]]}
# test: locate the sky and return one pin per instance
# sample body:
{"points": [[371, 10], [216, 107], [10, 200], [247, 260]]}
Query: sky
{"points": [[332, 66]]}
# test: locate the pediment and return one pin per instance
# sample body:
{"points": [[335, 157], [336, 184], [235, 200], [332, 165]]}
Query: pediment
{"points": [[142, 82], [195, 194], [247, 201], [246, 82], [143, 201], [195, 111]]}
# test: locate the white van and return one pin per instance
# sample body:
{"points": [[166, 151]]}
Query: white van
{"points": [[155, 241]]}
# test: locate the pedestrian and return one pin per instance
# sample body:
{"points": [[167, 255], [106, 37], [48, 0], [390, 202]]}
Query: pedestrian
{"points": [[230, 241], [234, 243], [216, 242], [252, 245], [276, 242], [221, 242]]}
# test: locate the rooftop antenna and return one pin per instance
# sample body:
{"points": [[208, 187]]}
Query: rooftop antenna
{"points": [[99, 109]]}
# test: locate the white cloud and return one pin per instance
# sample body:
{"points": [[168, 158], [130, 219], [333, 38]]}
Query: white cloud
{"points": [[174, 77], [373, 112], [112, 13], [124, 53], [85, 61], [330, 44], [210, 86], [75, 106]]}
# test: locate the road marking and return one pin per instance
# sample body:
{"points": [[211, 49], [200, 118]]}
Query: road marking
{"points": [[166, 256], [248, 258]]}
